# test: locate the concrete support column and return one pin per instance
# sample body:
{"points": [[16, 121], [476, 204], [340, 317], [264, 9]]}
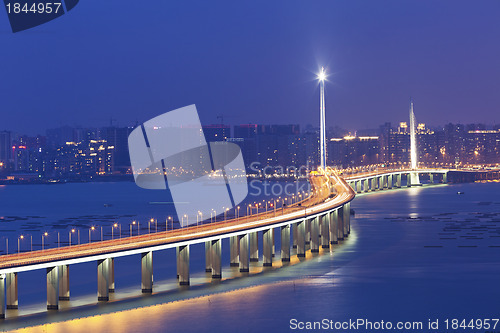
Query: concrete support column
{"points": [[445, 178], [390, 181], [11, 288], [365, 186], [347, 219], [325, 231], [111, 275], [374, 184], [2, 296], [63, 282], [253, 239], [340, 223], [103, 280], [333, 227], [177, 261], [183, 265], [398, 180], [234, 251], [308, 231], [244, 253], [52, 288], [285, 243], [147, 272], [273, 238], [208, 263], [294, 235], [215, 254], [315, 234], [267, 243], [301, 238], [431, 178], [408, 180], [381, 182]]}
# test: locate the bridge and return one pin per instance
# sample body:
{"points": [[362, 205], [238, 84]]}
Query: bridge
{"points": [[320, 219], [393, 178]]}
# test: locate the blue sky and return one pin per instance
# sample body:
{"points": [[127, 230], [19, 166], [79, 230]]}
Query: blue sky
{"points": [[253, 61]]}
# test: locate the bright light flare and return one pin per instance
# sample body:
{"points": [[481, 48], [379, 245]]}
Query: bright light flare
{"points": [[322, 74]]}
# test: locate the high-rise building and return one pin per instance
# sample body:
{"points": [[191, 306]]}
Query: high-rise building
{"points": [[216, 132], [117, 137], [5, 149], [352, 151]]}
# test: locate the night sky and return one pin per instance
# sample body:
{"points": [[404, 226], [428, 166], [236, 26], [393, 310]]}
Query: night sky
{"points": [[253, 61]]}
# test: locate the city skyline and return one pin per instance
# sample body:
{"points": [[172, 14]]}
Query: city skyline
{"points": [[376, 61]]}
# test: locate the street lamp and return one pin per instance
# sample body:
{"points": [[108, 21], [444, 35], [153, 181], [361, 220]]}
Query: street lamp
{"points": [[92, 228], [112, 230], [166, 222], [71, 232], [45, 234], [149, 225], [200, 216], [19, 244]]}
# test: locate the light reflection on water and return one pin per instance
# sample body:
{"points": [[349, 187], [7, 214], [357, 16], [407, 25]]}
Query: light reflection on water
{"points": [[385, 270]]}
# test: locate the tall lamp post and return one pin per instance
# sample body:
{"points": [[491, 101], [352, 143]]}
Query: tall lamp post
{"points": [[322, 130]]}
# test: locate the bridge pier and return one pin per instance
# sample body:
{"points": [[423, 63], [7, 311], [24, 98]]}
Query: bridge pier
{"points": [[315, 234], [2, 296], [373, 185], [285, 243], [253, 239], [273, 247], [408, 180], [358, 186], [208, 264], [340, 223], [294, 235], [325, 231], [347, 219], [398, 180], [215, 254], [333, 227], [301, 238], [244, 254], [183, 264], [111, 286], [103, 280], [267, 244], [53, 288], [381, 183], [308, 231], [234, 251], [431, 178], [390, 181], [445, 178], [63, 282], [11, 288], [147, 272]]}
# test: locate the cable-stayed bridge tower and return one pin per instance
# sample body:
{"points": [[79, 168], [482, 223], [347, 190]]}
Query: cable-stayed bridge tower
{"points": [[413, 147]]}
